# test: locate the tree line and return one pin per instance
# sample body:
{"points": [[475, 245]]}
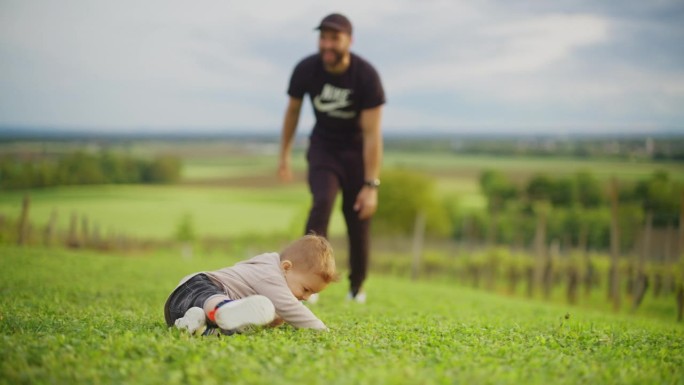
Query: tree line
{"points": [[567, 231], [658, 148], [576, 210], [83, 168]]}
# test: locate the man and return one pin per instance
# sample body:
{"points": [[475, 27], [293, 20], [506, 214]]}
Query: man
{"points": [[345, 147]]}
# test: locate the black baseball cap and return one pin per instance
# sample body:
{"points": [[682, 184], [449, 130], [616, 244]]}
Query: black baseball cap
{"points": [[337, 22]]}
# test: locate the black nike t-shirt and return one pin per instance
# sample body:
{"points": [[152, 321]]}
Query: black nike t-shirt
{"points": [[337, 99]]}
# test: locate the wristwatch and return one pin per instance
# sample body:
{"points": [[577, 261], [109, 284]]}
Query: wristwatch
{"points": [[372, 183]]}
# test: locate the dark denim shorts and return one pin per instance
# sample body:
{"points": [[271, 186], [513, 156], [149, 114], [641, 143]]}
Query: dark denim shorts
{"points": [[192, 293]]}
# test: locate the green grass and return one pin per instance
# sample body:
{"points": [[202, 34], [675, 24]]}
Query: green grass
{"points": [[79, 317]]}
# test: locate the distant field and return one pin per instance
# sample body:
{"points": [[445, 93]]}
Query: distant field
{"points": [[448, 164], [155, 211], [231, 189], [234, 167]]}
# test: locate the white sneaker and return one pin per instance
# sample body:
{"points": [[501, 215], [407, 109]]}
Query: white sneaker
{"points": [[252, 310], [360, 297], [313, 298], [193, 321]]}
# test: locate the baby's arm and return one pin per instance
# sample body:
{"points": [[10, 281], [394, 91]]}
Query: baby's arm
{"points": [[288, 308]]}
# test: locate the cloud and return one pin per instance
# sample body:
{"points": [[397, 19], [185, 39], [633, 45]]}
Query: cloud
{"points": [[506, 50], [222, 64]]}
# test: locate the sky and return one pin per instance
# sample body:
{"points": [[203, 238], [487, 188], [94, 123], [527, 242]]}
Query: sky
{"points": [[450, 66]]}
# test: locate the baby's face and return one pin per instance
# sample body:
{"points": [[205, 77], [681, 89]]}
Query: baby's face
{"points": [[304, 283]]}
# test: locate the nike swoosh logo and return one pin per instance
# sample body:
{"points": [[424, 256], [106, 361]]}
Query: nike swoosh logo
{"points": [[330, 106]]}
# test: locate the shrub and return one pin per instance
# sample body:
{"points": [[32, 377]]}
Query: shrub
{"points": [[402, 196]]}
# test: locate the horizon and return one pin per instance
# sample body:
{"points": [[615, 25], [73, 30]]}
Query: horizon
{"points": [[188, 133]]}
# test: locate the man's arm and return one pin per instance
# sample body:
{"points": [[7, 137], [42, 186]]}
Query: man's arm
{"points": [[290, 121], [367, 199]]}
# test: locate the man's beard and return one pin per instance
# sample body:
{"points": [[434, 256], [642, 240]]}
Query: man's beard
{"points": [[339, 56]]}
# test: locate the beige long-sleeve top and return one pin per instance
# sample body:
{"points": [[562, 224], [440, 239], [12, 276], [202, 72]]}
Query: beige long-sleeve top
{"points": [[263, 275]]}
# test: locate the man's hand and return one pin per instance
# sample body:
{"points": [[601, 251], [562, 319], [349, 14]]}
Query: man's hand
{"points": [[284, 171], [366, 202]]}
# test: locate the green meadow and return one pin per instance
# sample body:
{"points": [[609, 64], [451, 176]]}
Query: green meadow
{"points": [[81, 316], [69, 317], [155, 211], [231, 190]]}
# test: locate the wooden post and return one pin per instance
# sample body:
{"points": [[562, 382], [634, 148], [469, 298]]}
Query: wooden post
{"points": [[22, 236], [72, 238], [49, 233], [540, 247], [490, 271], [677, 283], [657, 283], [614, 282], [475, 273], [492, 228], [583, 240], [670, 239], [680, 252], [640, 279], [529, 277], [519, 237], [513, 278], [573, 284], [85, 231], [418, 238], [468, 234], [551, 257], [680, 302], [589, 275], [96, 242]]}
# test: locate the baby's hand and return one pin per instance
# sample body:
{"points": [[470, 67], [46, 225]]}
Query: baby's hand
{"points": [[276, 322]]}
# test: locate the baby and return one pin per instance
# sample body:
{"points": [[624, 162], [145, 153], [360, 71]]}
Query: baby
{"points": [[266, 289]]}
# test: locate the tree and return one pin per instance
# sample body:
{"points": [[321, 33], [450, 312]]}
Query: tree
{"points": [[589, 191], [659, 196], [402, 196], [539, 188], [563, 192], [80, 168], [185, 230], [164, 169], [499, 191]]}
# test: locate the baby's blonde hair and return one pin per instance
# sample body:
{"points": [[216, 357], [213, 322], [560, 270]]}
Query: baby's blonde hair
{"points": [[313, 253]]}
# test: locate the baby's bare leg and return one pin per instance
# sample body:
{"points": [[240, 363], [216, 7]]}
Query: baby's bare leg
{"points": [[211, 302]]}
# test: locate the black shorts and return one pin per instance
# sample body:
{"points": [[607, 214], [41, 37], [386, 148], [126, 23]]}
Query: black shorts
{"points": [[191, 293]]}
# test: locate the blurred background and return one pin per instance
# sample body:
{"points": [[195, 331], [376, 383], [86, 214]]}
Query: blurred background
{"points": [[531, 149]]}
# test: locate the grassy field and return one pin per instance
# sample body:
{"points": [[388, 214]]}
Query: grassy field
{"points": [[79, 317], [231, 190], [155, 211]]}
